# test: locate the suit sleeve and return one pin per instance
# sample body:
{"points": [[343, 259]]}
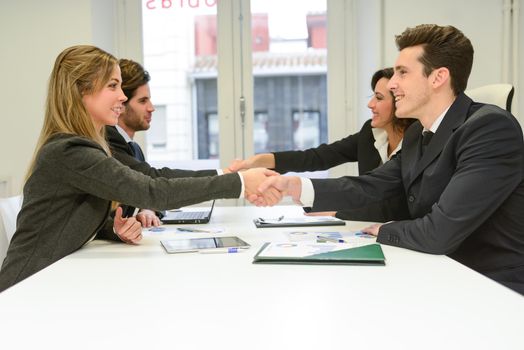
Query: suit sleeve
{"points": [[488, 156], [85, 166], [358, 193], [147, 169], [122, 152], [391, 209], [106, 232], [322, 157]]}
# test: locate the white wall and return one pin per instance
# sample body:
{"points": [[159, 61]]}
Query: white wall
{"points": [[480, 20], [33, 33], [483, 28]]}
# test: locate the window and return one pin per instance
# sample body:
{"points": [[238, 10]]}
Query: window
{"points": [[289, 69], [179, 53], [157, 134], [288, 100], [260, 136], [212, 146], [306, 129]]}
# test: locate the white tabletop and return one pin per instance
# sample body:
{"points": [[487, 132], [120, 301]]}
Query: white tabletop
{"points": [[111, 295]]}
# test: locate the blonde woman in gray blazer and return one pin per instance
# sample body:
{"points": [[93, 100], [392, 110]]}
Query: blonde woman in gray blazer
{"points": [[73, 178]]}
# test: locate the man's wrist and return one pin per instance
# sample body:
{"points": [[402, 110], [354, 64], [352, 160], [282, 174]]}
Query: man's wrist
{"points": [[307, 192], [242, 186]]}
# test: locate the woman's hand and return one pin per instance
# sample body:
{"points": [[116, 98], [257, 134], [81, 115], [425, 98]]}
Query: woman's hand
{"points": [[128, 230]]}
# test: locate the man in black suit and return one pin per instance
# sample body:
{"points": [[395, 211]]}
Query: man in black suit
{"points": [[464, 183], [137, 117]]}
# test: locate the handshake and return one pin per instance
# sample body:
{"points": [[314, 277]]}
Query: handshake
{"points": [[264, 187]]}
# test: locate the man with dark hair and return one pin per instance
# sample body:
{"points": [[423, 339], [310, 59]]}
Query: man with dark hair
{"points": [[137, 117], [461, 167]]}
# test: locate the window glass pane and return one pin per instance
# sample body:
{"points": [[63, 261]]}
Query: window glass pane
{"points": [[289, 68], [157, 133], [306, 129], [180, 55], [212, 132]]}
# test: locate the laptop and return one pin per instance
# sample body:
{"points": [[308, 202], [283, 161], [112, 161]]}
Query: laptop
{"points": [[188, 217]]}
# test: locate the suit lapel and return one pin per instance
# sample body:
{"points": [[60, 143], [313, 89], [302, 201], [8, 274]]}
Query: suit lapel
{"points": [[454, 118]]}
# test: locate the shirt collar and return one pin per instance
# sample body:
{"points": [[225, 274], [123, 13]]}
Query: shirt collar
{"points": [[437, 122], [382, 144], [123, 133]]}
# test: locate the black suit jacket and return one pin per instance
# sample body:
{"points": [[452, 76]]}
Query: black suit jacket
{"points": [[465, 195], [121, 151], [124, 154], [359, 148]]}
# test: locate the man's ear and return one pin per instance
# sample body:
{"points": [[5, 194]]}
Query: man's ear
{"points": [[440, 76]]}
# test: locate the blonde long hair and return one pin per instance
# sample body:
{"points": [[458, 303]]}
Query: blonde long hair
{"points": [[78, 71]]}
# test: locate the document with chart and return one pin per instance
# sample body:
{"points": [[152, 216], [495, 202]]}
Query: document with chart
{"points": [[298, 221]]}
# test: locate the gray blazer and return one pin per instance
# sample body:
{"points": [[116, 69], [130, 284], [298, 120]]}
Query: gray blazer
{"points": [[67, 200], [465, 195]]}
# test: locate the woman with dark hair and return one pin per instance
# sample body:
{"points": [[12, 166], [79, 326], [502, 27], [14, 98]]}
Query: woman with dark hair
{"points": [[379, 139]]}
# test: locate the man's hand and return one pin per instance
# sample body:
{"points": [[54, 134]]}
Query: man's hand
{"points": [[128, 230], [372, 230], [148, 218], [252, 179], [321, 213], [286, 185]]}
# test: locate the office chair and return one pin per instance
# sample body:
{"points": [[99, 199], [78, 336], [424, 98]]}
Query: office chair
{"points": [[9, 208], [496, 94], [3, 242]]}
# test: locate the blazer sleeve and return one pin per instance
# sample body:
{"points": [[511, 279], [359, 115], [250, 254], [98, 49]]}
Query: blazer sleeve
{"points": [[322, 157], [355, 193], [488, 165], [147, 169], [85, 166], [390, 209], [106, 232], [122, 152]]}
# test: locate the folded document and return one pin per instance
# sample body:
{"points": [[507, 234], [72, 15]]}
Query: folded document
{"points": [[320, 253]]}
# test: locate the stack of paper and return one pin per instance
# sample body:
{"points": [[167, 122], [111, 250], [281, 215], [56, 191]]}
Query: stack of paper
{"points": [[300, 221]]}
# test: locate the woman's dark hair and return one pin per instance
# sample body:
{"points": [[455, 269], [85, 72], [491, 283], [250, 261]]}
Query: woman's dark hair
{"points": [[399, 124]]}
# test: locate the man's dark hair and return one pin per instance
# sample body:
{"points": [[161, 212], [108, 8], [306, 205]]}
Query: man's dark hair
{"points": [[133, 76], [444, 46]]}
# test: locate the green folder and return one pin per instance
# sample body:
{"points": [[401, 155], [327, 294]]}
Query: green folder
{"points": [[370, 254]]}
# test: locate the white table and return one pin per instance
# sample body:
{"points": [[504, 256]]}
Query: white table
{"points": [[117, 296]]}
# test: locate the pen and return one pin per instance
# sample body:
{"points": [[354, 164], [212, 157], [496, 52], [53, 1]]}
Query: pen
{"points": [[280, 218], [331, 239], [183, 229], [221, 251]]}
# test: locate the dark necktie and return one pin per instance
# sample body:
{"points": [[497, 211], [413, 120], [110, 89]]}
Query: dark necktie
{"points": [[137, 151], [128, 210], [426, 138]]}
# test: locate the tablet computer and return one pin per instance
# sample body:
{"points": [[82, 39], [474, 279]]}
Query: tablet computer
{"points": [[207, 244]]}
